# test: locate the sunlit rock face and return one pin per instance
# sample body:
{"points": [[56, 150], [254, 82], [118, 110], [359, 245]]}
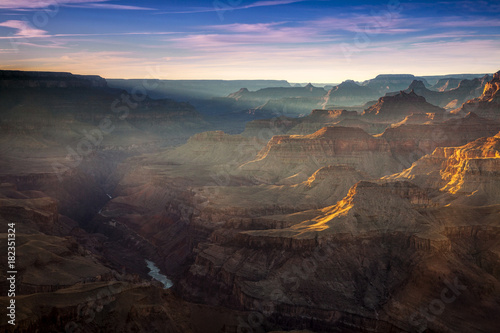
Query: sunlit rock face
{"points": [[470, 173], [410, 141]]}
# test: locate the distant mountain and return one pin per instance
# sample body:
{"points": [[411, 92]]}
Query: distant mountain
{"points": [[467, 89], [278, 92], [446, 84], [22, 79], [397, 107], [434, 79], [349, 93], [384, 83], [188, 90]]}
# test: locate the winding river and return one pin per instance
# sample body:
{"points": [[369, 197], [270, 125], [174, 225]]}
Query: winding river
{"points": [[154, 272]]}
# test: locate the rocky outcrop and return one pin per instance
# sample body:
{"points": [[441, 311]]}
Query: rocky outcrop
{"points": [[245, 204], [409, 142], [300, 155], [488, 104], [469, 173], [22, 79], [396, 108]]}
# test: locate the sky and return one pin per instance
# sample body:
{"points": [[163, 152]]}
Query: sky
{"points": [[295, 40]]}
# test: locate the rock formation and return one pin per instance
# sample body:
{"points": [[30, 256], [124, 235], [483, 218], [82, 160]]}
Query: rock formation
{"points": [[488, 104], [469, 173], [396, 108], [409, 142], [300, 155], [450, 99]]}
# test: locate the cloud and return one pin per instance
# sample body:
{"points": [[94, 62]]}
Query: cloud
{"points": [[24, 29], [98, 4], [219, 6], [234, 35], [370, 24], [110, 6], [477, 22]]}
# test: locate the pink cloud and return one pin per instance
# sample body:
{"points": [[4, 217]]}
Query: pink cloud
{"points": [[31, 4], [24, 29]]}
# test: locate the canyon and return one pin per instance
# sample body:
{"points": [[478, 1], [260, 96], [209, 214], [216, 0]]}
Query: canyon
{"points": [[383, 217]]}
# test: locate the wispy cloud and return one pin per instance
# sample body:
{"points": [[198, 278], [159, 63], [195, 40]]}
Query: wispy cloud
{"points": [[216, 8], [97, 4], [31, 4], [24, 29], [467, 22], [370, 24], [233, 35], [109, 6]]}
